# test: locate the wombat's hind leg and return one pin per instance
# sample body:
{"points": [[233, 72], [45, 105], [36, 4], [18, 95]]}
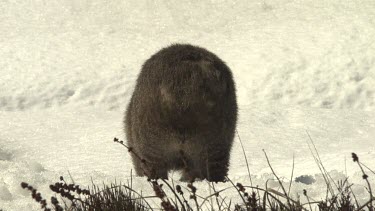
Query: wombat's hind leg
{"points": [[217, 167], [212, 165], [157, 171], [151, 170]]}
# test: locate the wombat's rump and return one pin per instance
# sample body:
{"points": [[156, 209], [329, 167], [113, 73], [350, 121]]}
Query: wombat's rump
{"points": [[182, 115]]}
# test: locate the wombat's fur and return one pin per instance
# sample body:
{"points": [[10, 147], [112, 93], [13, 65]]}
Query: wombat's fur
{"points": [[182, 115]]}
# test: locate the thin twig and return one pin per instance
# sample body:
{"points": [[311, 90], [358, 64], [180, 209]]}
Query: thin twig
{"points": [[278, 179], [243, 199], [174, 192], [244, 154], [372, 171], [365, 177], [291, 177], [308, 200], [321, 167]]}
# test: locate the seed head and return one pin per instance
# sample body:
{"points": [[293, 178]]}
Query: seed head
{"points": [[179, 190], [355, 157]]}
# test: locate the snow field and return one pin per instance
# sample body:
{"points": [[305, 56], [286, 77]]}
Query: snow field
{"points": [[68, 68]]}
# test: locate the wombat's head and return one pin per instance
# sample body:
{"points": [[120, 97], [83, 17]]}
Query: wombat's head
{"points": [[196, 85]]}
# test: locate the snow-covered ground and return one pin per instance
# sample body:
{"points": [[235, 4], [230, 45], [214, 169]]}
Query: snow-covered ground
{"points": [[67, 70]]}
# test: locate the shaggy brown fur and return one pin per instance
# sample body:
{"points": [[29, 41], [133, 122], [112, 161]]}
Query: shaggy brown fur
{"points": [[182, 114]]}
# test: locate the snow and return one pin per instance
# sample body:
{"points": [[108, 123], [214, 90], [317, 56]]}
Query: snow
{"points": [[68, 68]]}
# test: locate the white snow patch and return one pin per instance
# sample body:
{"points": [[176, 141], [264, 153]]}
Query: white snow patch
{"points": [[68, 68]]}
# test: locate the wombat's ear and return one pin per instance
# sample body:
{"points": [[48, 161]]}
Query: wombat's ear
{"points": [[209, 68]]}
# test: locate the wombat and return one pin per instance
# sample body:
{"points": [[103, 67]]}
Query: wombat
{"points": [[182, 115]]}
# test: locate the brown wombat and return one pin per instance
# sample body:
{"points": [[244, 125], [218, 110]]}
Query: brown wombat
{"points": [[182, 115]]}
